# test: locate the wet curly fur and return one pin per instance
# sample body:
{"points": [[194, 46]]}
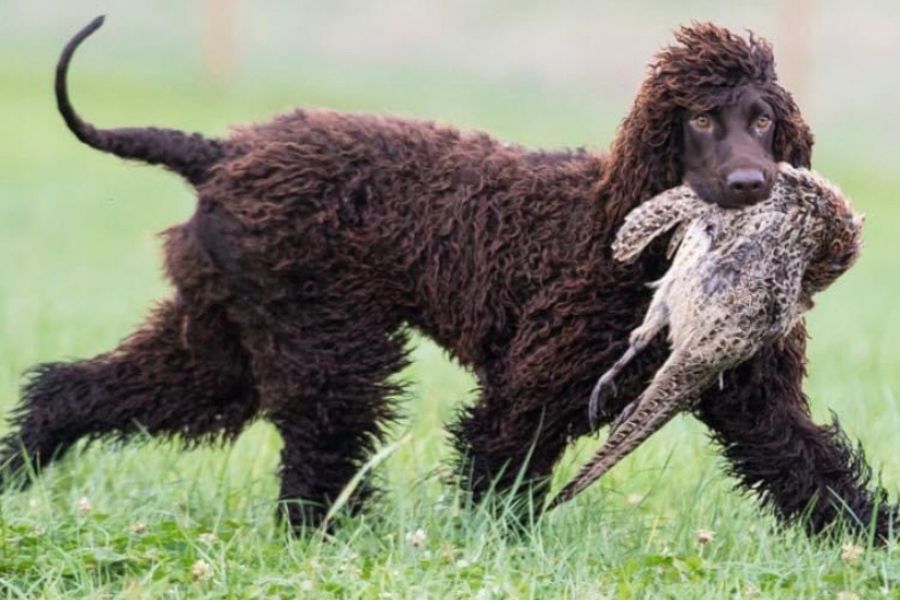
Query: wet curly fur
{"points": [[321, 238]]}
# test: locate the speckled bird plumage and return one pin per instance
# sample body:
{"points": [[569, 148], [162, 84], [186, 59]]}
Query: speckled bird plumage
{"points": [[740, 279]]}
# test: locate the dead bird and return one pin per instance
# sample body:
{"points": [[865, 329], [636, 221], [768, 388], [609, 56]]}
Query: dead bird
{"points": [[740, 279]]}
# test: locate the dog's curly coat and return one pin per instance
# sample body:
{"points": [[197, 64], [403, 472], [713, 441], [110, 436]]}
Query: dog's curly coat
{"points": [[320, 238]]}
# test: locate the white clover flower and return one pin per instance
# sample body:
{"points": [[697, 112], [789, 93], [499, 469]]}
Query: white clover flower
{"points": [[416, 538], [137, 528], [84, 505], [851, 553], [208, 538], [201, 570], [705, 536]]}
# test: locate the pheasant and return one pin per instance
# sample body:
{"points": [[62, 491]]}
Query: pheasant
{"points": [[740, 279]]}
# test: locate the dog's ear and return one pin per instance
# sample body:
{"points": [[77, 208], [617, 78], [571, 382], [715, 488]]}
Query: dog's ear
{"points": [[645, 157], [793, 140]]}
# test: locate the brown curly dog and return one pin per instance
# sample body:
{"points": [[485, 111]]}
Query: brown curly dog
{"points": [[321, 238]]}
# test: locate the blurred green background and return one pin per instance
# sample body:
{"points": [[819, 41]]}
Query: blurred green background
{"points": [[79, 261]]}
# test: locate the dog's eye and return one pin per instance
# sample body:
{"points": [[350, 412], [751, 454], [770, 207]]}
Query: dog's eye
{"points": [[763, 122], [701, 122]]}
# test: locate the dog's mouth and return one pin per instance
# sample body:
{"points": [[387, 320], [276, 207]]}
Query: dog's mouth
{"points": [[707, 191], [732, 191]]}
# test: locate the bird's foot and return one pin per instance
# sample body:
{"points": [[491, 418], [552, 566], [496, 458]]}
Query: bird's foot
{"points": [[598, 403]]}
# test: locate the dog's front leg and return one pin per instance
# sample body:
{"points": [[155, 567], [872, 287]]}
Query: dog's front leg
{"points": [[803, 470]]}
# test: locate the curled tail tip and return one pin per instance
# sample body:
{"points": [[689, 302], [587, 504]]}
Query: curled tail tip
{"points": [[73, 121], [88, 29], [95, 24], [79, 37], [190, 155]]}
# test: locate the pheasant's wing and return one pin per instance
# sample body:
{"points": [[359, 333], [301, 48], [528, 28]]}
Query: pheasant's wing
{"points": [[837, 231], [676, 239], [653, 218]]}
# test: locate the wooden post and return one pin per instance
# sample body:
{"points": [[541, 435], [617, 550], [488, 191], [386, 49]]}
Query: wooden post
{"points": [[795, 47], [219, 40]]}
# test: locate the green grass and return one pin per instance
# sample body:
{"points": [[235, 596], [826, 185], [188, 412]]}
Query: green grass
{"points": [[80, 267]]}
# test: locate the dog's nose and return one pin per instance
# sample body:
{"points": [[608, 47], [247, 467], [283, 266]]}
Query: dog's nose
{"points": [[746, 185], [746, 180]]}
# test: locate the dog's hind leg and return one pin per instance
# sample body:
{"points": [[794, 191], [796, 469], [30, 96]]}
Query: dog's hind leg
{"points": [[323, 370], [184, 372], [507, 449]]}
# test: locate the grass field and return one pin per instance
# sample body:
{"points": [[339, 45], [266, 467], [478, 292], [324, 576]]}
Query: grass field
{"points": [[80, 266]]}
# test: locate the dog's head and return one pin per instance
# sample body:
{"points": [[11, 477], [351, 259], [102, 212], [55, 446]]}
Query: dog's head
{"points": [[710, 114]]}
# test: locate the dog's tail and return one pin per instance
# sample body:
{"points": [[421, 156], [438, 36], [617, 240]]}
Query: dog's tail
{"points": [[190, 155]]}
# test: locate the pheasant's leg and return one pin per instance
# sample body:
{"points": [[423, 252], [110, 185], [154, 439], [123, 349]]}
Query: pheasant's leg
{"points": [[657, 317], [674, 387]]}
